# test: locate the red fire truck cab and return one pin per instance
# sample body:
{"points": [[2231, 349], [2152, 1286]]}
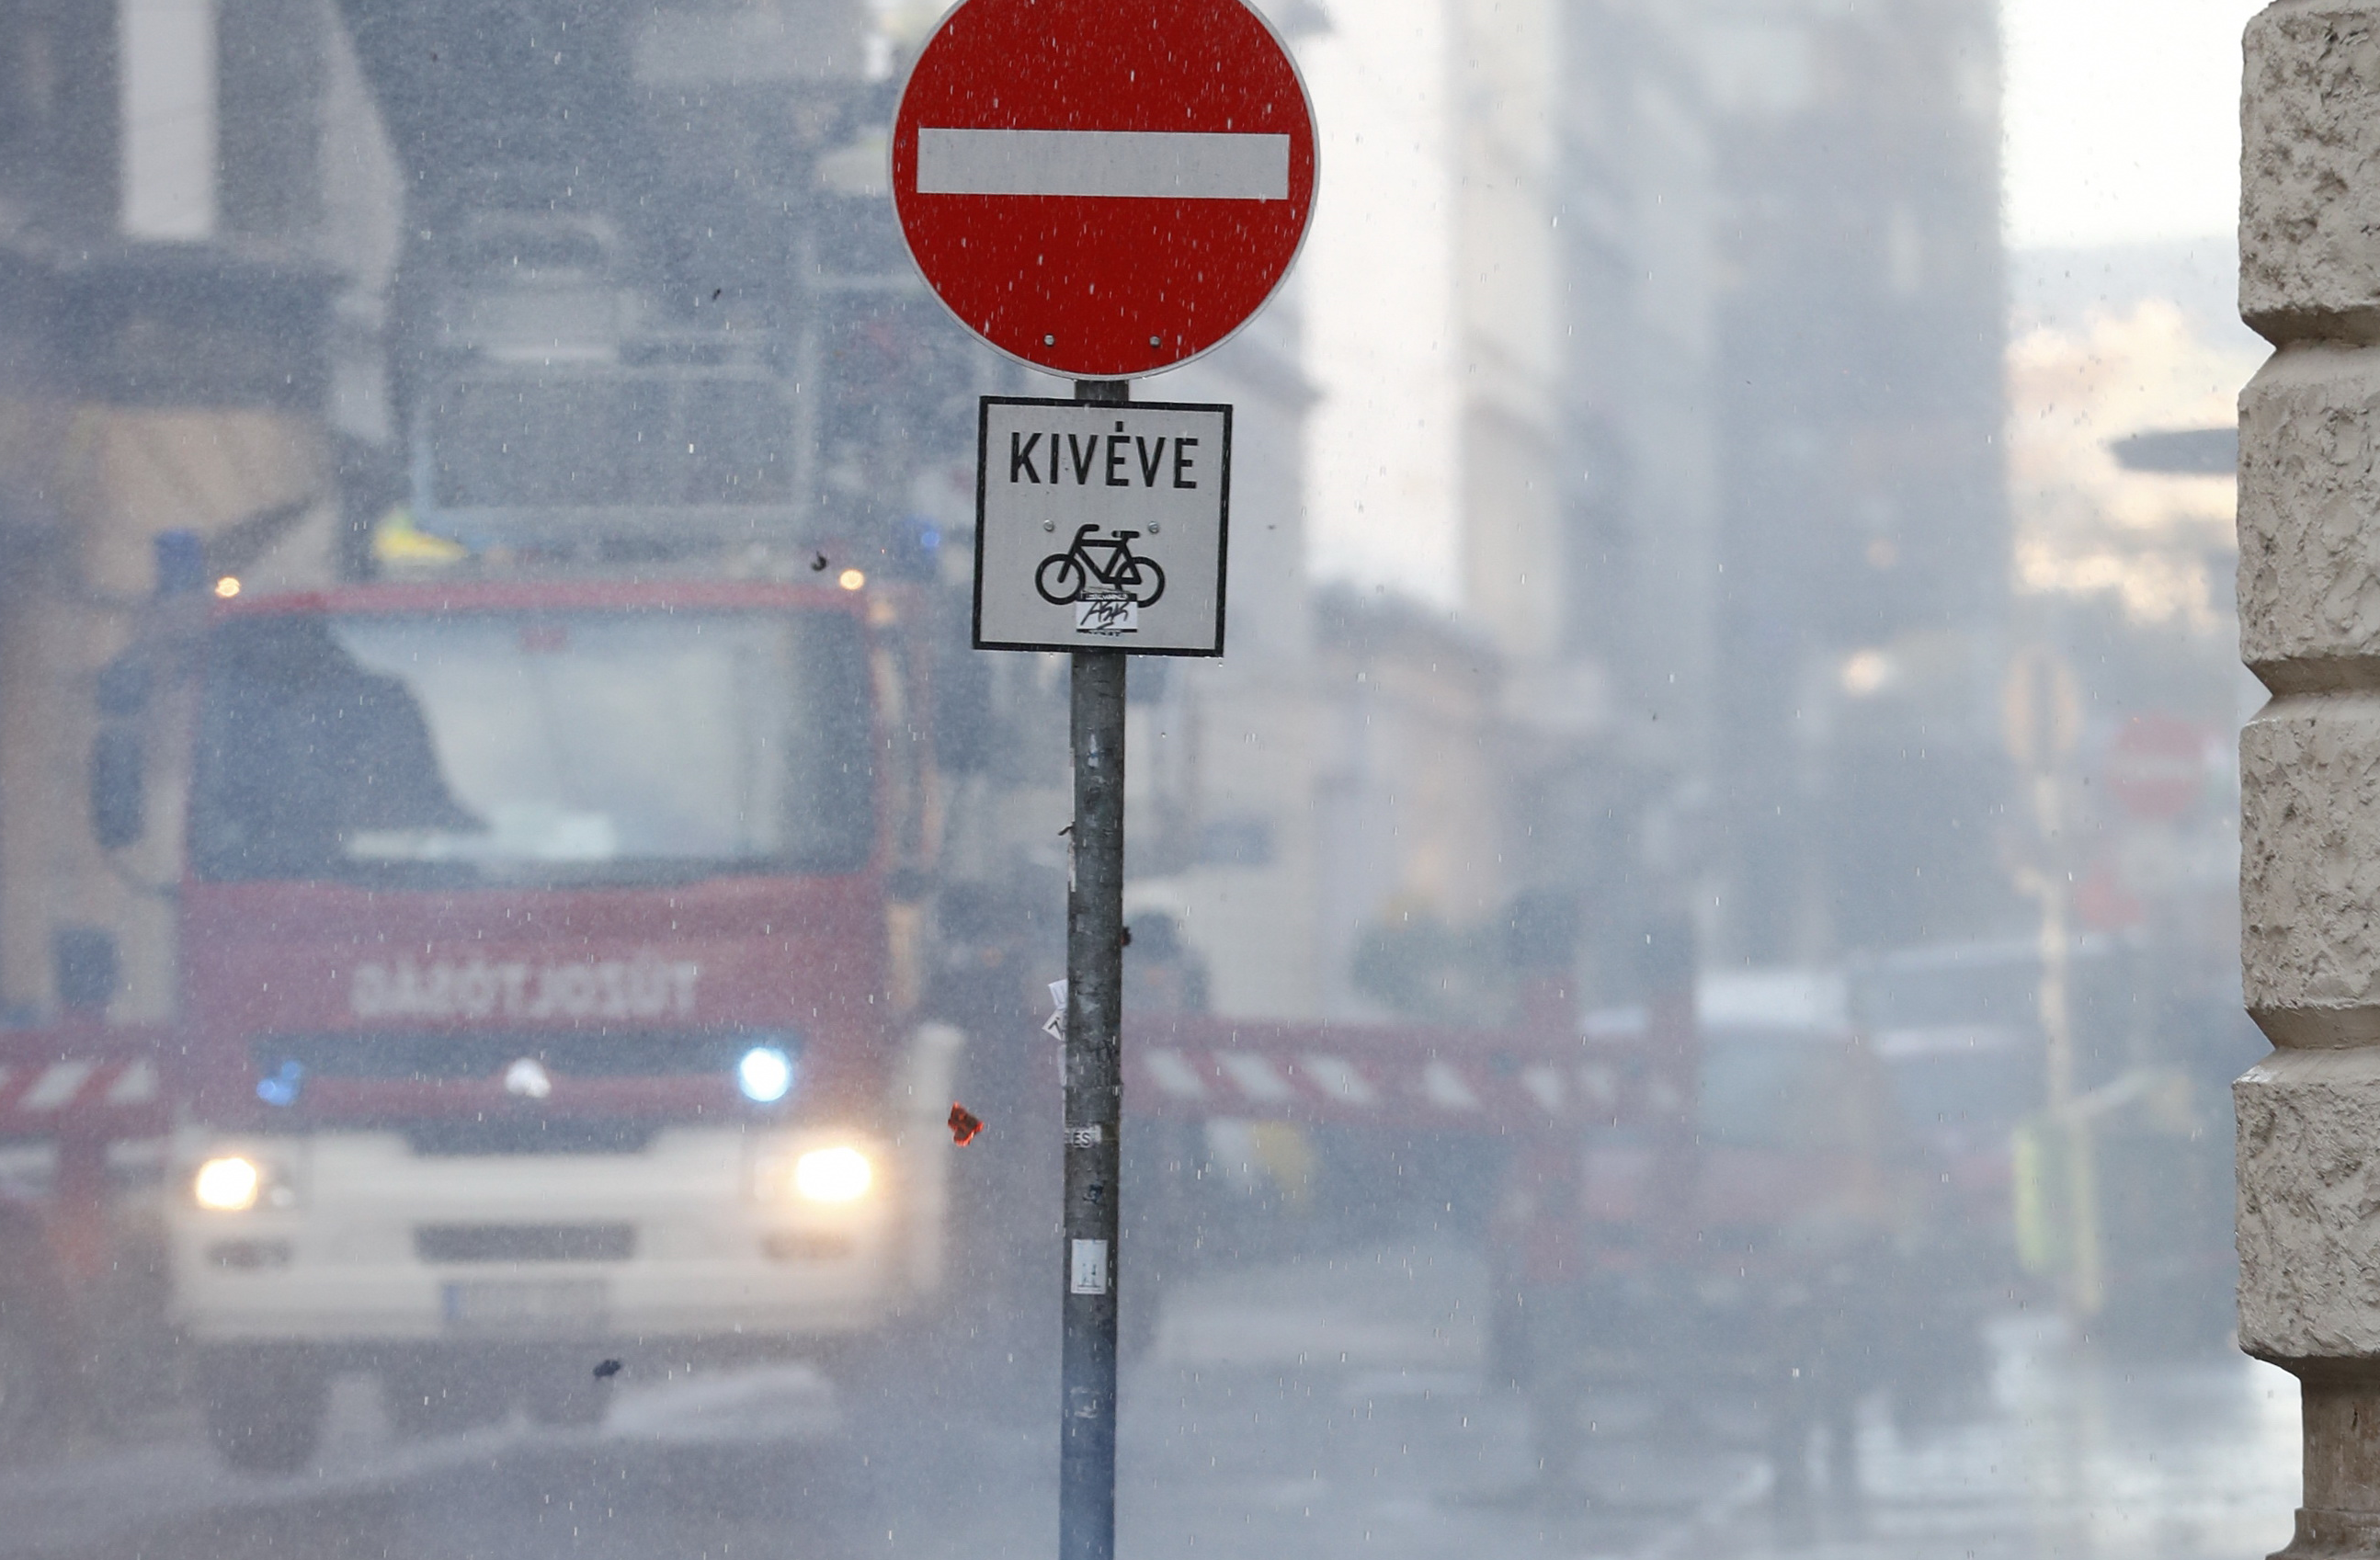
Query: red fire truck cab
{"points": [[538, 1005]]}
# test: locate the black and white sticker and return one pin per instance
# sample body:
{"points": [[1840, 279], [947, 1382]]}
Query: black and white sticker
{"points": [[1090, 1268]]}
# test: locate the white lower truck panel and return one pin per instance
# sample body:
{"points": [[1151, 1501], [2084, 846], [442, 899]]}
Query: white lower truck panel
{"points": [[703, 1234]]}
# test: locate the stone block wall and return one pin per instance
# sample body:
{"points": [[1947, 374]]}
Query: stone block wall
{"points": [[2309, 1115]]}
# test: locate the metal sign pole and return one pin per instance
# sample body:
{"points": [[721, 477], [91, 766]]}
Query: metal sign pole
{"points": [[1094, 1092]]}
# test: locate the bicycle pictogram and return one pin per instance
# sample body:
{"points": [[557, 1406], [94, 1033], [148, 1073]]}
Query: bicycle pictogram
{"points": [[1064, 577]]}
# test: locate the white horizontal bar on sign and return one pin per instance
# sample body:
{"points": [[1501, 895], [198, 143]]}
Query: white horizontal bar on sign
{"points": [[1135, 165]]}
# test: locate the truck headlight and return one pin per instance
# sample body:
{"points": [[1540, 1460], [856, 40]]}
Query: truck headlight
{"points": [[235, 1182], [228, 1184], [836, 1174]]}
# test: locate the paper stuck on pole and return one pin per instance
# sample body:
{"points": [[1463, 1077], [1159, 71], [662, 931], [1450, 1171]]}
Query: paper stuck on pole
{"points": [[1090, 1268], [1055, 1028]]}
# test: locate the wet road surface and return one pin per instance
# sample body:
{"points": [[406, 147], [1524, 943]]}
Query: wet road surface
{"points": [[1334, 1407]]}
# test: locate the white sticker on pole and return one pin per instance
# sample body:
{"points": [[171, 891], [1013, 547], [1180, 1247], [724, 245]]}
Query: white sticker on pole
{"points": [[1090, 1274], [1101, 527]]}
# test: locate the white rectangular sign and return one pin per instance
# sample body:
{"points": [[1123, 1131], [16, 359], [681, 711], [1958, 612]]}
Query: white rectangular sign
{"points": [[1101, 527]]}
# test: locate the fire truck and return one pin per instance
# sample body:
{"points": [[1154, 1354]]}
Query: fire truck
{"points": [[543, 1000], [539, 942], [549, 885]]}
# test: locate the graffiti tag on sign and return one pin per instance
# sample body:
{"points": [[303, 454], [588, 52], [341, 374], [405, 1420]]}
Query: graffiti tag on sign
{"points": [[1108, 615]]}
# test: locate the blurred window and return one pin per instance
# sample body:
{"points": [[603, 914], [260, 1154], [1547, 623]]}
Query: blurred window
{"points": [[615, 439]]}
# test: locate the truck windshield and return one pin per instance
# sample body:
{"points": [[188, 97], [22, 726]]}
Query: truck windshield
{"points": [[579, 747]]}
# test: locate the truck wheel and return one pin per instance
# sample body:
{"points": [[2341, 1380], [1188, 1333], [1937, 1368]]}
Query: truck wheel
{"points": [[28, 1390], [264, 1408]]}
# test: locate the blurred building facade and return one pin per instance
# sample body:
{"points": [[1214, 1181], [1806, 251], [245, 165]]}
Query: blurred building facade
{"points": [[1712, 342], [1692, 342], [1716, 371], [1225, 757], [1785, 518], [1862, 323], [178, 182]]}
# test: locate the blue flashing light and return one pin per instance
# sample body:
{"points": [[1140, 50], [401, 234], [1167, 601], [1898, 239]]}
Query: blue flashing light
{"points": [[765, 1075], [281, 1086]]}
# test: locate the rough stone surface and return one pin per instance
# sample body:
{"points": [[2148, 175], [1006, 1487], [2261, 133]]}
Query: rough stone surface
{"points": [[2308, 1114], [2309, 1228], [2310, 171], [2309, 496], [2309, 868]]}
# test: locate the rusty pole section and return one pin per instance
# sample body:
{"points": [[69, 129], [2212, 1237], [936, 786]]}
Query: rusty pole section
{"points": [[2308, 1114], [1094, 1093]]}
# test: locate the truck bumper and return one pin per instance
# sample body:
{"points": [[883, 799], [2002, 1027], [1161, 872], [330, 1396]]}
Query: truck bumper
{"points": [[702, 1236]]}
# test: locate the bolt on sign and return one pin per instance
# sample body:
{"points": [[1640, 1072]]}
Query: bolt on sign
{"points": [[1101, 527], [1103, 189]]}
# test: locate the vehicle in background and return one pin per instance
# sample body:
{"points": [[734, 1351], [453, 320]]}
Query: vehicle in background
{"points": [[1964, 1091], [2148, 1214], [1752, 1230], [549, 908], [539, 995], [1959, 1029], [548, 818]]}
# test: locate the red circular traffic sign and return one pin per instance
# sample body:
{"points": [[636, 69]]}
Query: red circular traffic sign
{"points": [[2158, 766], [1103, 189]]}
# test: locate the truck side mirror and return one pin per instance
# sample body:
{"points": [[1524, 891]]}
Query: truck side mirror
{"points": [[119, 788], [962, 714], [123, 686]]}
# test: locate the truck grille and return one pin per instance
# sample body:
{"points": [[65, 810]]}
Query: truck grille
{"points": [[524, 1243], [439, 1058], [462, 1136]]}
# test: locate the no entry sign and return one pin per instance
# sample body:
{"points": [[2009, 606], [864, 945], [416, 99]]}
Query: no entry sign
{"points": [[2158, 766], [1103, 189]]}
